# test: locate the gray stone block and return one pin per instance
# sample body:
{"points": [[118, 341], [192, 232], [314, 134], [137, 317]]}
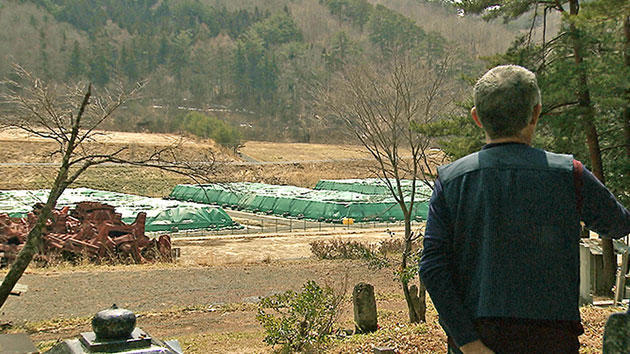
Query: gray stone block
{"points": [[16, 343], [364, 305], [617, 334]]}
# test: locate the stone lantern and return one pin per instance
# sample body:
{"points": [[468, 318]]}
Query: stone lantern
{"points": [[114, 331]]}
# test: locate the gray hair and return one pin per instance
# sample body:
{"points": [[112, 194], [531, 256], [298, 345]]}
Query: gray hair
{"points": [[505, 98]]}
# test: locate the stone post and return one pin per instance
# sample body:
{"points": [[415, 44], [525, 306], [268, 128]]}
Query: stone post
{"points": [[586, 282], [364, 308]]}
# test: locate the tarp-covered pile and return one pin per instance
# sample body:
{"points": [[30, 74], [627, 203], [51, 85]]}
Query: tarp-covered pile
{"points": [[302, 203], [373, 186], [162, 215]]}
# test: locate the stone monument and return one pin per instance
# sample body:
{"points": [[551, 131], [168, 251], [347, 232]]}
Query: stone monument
{"points": [[364, 308], [617, 333]]}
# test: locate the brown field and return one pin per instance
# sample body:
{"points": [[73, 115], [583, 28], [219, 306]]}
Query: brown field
{"points": [[268, 151], [17, 147]]}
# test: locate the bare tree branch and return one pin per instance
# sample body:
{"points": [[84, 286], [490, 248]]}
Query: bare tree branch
{"points": [[70, 116], [383, 106]]}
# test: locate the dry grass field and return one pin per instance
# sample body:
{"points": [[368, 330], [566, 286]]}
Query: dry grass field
{"points": [[19, 148], [268, 151]]}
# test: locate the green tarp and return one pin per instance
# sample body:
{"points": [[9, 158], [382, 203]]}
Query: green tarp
{"points": [[162, 214], [372, 186], [302, 203], [189, 217]]}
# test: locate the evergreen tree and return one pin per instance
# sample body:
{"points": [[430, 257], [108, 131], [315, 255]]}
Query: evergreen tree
{"points": [[43, 55], [341, 49], [163, 51], [564, 64], [390, 30], [75, 64], [128, 63]]}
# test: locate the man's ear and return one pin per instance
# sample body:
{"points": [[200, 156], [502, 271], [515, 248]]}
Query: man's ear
{"points": [[475, 117], [536, 114]]}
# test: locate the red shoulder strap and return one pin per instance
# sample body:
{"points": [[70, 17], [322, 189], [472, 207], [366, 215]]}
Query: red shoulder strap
{"points": [[578, 181]]}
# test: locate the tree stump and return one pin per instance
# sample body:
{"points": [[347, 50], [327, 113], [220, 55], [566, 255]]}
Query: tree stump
{"points": [[364, 308], [617, 333]]}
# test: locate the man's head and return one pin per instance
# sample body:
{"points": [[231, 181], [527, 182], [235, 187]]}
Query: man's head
{"points": [[506, 99]]}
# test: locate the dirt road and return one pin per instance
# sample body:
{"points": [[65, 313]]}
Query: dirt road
{"points": [[71, 294], [210, 270]]}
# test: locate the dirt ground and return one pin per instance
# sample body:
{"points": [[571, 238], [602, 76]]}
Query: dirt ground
{"points": [[223, 250], [242, 268], [207, 300], [66, 294]]}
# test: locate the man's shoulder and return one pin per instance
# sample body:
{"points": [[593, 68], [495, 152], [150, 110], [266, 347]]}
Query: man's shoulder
{"points": [[458, 167], [564, 161], [517, 156]]}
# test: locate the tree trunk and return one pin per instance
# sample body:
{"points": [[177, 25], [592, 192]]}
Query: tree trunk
{"points": [[25, 256], [626, 60], [33, 239], [592, 137], [415, 298]]}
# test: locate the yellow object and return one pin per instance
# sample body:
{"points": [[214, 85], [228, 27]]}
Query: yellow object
{"points": [[347, 221]]}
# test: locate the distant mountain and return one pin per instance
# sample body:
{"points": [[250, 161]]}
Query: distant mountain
{"points": [[250, 64]]}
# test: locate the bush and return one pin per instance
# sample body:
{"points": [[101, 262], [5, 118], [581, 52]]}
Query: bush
{"points": [[205, 126], [341, 249], [391, 246], [377, 255], [299, 320]]}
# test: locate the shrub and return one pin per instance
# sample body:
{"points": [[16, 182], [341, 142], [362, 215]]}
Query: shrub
{"points": [[206, 126], [299, 320], [377, 255], [341, 249], [391, 246]]}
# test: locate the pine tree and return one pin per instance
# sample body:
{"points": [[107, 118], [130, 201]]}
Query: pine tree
{"points": [[75, 65], [569, 50]]}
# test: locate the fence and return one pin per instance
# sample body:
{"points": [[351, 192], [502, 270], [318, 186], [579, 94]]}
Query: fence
{"points": [[261, 225]]}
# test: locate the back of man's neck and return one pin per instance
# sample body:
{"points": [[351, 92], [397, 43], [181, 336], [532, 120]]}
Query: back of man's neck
{"points": [[508, 140]]}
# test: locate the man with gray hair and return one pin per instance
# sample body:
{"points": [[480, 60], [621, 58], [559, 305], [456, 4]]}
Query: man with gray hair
{"points": [[501, 246]]}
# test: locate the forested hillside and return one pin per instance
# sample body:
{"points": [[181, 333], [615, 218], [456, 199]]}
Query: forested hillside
{"points": [[250, 65]]}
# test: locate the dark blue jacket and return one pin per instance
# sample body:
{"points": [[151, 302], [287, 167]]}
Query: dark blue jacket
{"points": [[502, 237]]}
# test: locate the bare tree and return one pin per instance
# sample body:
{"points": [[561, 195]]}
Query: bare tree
{"points": [[384, 107], [70, 116]]}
